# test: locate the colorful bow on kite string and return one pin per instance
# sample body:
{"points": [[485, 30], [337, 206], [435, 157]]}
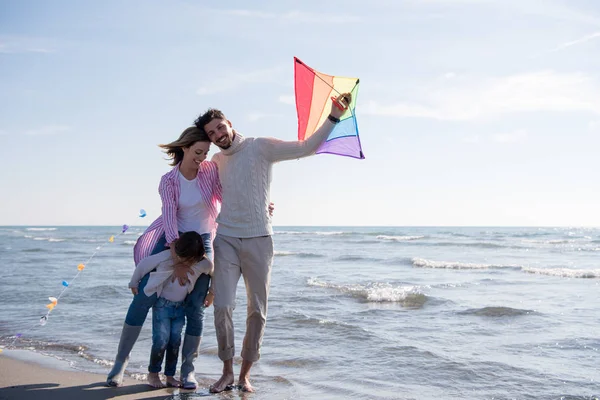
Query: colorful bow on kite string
{"points": [[67, 284]]}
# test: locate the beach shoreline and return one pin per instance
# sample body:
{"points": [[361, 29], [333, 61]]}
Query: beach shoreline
{"points": [[27, 375]]}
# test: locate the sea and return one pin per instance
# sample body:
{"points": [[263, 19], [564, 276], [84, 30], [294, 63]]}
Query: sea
{"points": [[354, 312]]}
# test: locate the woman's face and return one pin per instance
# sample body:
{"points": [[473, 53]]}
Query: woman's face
{"points": [[196, 153]]}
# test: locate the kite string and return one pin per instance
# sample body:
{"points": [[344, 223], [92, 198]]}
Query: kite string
{"points": [[333, 88], [66, 285]]}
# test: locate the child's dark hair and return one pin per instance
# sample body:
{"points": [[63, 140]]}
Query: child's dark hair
{"points": [[190, 246]]}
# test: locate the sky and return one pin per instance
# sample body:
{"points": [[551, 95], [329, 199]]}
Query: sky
{"points": [[471, 112]]}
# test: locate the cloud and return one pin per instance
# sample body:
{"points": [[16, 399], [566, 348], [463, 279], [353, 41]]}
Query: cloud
{"points": [[584, 39], [467, 99], [594, 126], [23, 44], [287, 99], [471, 139], [293, 16], [234, 80], [555, 10], [257, 116], [517, 136], [48, 130]]}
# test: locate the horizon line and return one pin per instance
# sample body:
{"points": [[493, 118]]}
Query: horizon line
{"points": [[338, 226]]}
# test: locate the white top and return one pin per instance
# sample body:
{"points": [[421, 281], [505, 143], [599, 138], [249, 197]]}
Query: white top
{"points": [[192, 213], [163, 263], [245, 175], [173, 291]]}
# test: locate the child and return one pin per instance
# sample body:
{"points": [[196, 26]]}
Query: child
{"points": [[168, 313]]}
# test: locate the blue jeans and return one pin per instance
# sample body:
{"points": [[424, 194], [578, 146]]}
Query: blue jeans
{"points": [[194, 302], [168, 318]]}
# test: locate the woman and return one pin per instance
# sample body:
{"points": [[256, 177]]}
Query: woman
{"points": [[190, 195]]}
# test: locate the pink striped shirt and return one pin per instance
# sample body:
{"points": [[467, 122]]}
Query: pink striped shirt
{"points": [[210, 188]]}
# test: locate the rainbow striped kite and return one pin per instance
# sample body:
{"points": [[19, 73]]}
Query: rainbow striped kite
{"points": [[314, 91]]}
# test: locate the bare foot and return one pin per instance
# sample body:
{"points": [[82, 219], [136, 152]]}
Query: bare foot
{"points": [[172, 382], [154, 380], [245, 386], [224, 383]]}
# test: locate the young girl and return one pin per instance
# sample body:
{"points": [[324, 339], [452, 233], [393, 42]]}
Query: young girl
{"points": [[168, 316], [190, 195]]}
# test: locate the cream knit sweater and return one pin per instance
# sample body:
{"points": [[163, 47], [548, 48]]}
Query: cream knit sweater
{"points": [[245, 174]]}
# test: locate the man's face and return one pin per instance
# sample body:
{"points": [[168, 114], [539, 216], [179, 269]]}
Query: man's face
{"points": [[219, 132]]}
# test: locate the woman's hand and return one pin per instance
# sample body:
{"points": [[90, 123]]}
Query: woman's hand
{"points": [[271, 208], [134, 290], [210, 297], [181, 273]]}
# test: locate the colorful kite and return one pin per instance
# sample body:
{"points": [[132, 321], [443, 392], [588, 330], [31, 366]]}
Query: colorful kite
{"points": [[314, 93]]}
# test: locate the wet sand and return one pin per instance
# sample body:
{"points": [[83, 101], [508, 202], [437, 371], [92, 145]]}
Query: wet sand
{"points": [[25, 380]]}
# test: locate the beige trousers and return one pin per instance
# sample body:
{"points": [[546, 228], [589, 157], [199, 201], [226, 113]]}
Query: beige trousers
{"points": [[252, 258]]}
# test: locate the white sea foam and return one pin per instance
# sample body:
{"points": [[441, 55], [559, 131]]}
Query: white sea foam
{"points": [[423, 263], [283, 253], [48, 239], [552, 241], [564, 272], [40, 229], [131, 242], [377, 292], [318, 233], [399, 238]]}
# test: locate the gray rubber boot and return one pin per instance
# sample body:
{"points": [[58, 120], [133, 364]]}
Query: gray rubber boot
{"points": [[128, 337], [189, 353]]}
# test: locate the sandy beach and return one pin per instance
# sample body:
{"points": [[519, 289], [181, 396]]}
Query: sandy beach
{"points": [[25, 379]]}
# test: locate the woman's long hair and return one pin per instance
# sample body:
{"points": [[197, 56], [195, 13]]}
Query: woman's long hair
{"points": [[187, 138]]}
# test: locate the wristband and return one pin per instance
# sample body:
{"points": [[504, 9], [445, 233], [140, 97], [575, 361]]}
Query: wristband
{"points": [[333, 119]]}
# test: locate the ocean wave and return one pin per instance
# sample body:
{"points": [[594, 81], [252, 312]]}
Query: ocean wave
{"points": [[33, 344], [561, 272], [350, 257], [345, 328], [34, 250], [564, 272], [47, 239], [40, 229], [457, 234], [481, 245], [423, 263], [312, 233], [129, 242], [408, 296], [297, 254], [297, 362], [399, 238], [552, 241], [496, 312]]}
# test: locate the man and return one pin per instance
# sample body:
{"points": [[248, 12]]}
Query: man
{"points": [[244, 244]]}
